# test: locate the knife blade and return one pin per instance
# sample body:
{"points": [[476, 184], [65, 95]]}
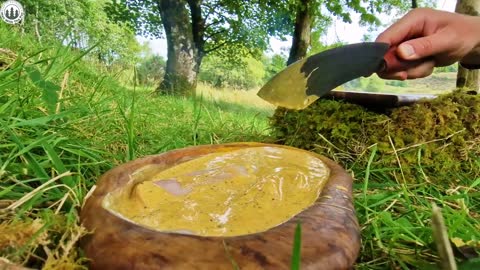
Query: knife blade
{"points": [[303, 82]]}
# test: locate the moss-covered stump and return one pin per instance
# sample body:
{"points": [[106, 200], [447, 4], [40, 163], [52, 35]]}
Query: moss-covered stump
{"points": [[432, 137]]}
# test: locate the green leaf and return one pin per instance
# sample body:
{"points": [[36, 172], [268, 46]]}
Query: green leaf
{"points": [[473, 264], [49, 89], [34, 74], [50, 94]]}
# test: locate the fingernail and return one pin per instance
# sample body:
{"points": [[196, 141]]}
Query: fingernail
{"points": [[406, 50]]}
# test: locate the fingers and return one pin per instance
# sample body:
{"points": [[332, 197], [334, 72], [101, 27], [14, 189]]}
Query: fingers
{"points": [[400, 75], [472, 58], [407, 27], [421, 70], [421, 33], [424, 38], [419, 48], [393, 63], [413, 71]]}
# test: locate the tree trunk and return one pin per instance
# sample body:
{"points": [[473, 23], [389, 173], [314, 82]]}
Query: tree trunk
{"points": [[198, 27], [414, 4], [183, 63], [301, 34], [467, 79]]}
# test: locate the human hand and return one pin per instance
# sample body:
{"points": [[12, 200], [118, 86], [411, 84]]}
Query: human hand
{"points": [[427, 38]]}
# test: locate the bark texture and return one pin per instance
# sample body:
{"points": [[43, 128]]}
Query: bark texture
{"points": [[184, 54], [302, 32], [468, 79]]}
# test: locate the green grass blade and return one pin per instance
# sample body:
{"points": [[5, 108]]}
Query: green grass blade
{"points": [[40, 121], [297, 244], [58, 164], [76, 59], [367, 174], [32, 145], [33, 164]]}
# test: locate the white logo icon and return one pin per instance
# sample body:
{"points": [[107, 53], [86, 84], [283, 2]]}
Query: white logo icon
{"points": [[12, 12]]}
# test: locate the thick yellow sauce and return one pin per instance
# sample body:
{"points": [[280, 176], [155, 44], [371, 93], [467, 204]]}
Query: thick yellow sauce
{"points": [[223, 194]]}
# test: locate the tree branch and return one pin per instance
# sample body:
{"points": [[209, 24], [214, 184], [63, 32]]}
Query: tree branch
{"points": [[216, 47], [211, 9], [213, 34], [212, 24]]}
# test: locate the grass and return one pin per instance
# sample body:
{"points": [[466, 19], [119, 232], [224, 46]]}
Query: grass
{"points": [[396, 218], [54, 146], [297, 247], [229, 97], [64, 123], [435, 84]]}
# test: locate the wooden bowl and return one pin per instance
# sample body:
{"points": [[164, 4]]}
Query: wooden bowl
{"points": [[377, 101], [330, 230]]}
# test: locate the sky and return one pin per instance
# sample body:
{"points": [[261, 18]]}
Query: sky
{"points": [[340, 31]]}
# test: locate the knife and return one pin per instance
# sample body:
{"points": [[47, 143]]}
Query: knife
{"points": [[303, 82]]}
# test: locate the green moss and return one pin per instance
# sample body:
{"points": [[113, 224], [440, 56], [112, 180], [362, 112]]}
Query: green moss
{"points": [[438, 137]]}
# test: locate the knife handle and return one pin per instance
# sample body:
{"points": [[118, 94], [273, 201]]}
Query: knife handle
{"points": [[393, 63]]}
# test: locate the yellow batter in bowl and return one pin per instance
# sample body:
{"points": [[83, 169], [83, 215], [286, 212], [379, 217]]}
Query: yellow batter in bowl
{"points": [[234, 193]]}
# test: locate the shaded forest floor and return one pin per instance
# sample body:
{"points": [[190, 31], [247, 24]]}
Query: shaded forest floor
{"points": [[64, 122]]}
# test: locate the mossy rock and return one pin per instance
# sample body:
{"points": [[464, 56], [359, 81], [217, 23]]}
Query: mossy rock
{"points": [[434, 137]]}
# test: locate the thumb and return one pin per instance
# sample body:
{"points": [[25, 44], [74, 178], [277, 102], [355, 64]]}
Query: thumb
{"points": [[419, 48]]}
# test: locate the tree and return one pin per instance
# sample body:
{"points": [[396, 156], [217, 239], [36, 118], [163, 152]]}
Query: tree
{"points": [[309, 17], [185, 44], [220, 73], [150, 70], [468, 79], [273, 65], [302, 30], [81, 24], [195, 28]]}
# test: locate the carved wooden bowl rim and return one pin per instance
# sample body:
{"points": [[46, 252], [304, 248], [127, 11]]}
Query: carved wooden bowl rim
{"points": [[333, 244]]}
